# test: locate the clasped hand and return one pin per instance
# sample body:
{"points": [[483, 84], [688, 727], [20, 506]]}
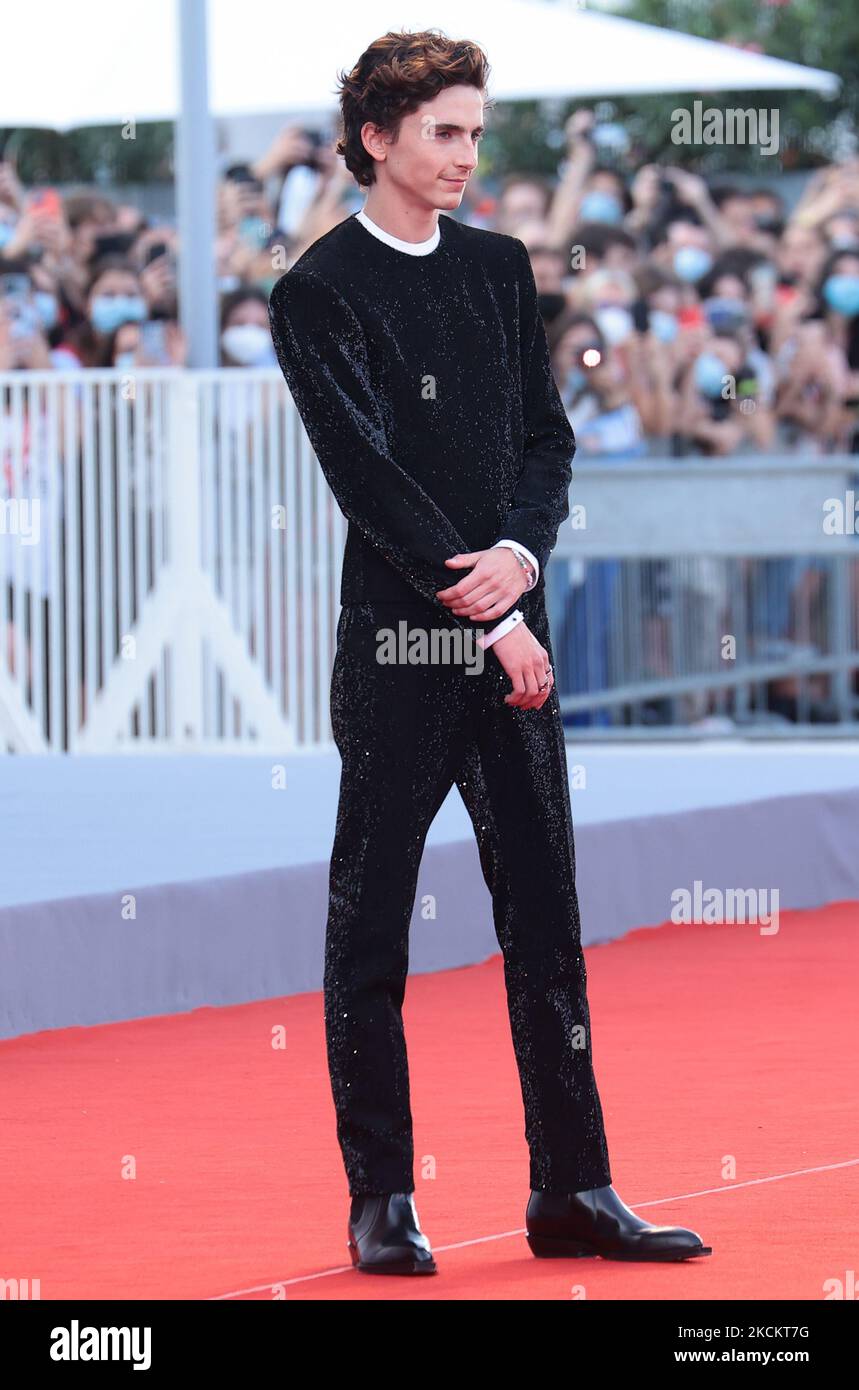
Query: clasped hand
{"points": [[495, 582]]}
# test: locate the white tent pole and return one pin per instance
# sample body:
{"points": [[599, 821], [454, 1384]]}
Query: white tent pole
{"points": [[195, 188]]}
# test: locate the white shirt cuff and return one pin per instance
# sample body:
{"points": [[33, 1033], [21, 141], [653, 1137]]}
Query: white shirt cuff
{"points": [[501, 629], [532, 559]]}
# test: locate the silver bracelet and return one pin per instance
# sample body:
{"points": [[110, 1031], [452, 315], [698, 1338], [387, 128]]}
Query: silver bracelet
{"points": [[526, 567]]}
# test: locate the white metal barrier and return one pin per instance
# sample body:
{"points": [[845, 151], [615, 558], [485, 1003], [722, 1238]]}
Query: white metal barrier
{"points": [[696, 582], [170, 557]]}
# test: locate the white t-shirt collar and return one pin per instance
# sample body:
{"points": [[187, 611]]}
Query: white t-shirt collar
{"points": [[411, 248]]}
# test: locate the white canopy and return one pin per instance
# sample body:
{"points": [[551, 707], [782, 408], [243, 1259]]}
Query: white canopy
{"points": [[106, 63], [72, 65]]}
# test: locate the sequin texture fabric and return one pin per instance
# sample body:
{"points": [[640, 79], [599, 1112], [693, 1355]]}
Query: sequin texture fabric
{"points": [[425, 387], [424, 384]]}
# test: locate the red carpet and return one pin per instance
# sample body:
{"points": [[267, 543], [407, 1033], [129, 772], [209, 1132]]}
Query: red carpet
{"points": [[713, 1045]]}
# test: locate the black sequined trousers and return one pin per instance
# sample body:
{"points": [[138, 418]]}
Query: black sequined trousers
{"points": [[405, 734]]}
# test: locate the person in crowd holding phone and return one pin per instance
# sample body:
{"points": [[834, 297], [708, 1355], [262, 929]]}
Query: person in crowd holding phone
{"points": [[113, 296], [600, 384]]}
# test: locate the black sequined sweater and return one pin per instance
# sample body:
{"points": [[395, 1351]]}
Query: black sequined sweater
{"points": [[425, 387]]}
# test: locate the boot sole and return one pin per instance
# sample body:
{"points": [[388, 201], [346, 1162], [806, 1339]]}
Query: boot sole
{"points": [[392, 1266], [556, 1247]]}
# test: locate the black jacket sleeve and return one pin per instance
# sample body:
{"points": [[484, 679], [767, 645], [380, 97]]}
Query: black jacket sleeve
{"points": [[541, 500], [322, 351]]}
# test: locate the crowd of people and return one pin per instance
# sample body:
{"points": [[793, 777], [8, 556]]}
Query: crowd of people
{"points": [[684, 316], [689, 319], [86, 281]]}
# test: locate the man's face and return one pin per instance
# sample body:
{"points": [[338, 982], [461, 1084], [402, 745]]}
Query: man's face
{"points": [[519, 204], [801, 252], [739, 213], [436, 149], [619, 257], [688, 234], [666, 298], [766, 205]]}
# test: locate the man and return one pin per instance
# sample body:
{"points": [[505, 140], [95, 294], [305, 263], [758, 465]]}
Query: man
{"points": [[416, 356]]}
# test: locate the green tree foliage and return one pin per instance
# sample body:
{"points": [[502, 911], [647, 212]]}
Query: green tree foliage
{"points": [[95, 155], [814, 129]]}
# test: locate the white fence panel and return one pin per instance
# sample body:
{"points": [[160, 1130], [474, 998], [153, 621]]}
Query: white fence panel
{"points": [[178, 588]]}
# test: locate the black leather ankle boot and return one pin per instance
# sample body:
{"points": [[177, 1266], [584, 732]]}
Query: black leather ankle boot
{"points": [[385, 1236], [597, 1222]]}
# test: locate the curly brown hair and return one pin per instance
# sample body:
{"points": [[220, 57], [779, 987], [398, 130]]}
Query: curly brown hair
{"points": [[393, 78]]}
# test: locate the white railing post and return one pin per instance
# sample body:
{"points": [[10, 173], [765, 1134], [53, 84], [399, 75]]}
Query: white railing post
{"points": [[185, 568]]}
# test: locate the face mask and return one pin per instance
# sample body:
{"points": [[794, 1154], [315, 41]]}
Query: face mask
{"points": [[600, 207], [125, 360], [47, 307], [725, 315], [691, 262], [709, 373], [663, 326], [110, 310], [248, 344], [614, 322], [226, 283], [7, 231], [841, 293]]}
